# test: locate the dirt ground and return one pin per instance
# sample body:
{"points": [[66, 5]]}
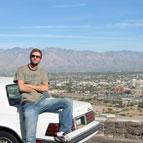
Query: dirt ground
{"points": [[100, 139]]}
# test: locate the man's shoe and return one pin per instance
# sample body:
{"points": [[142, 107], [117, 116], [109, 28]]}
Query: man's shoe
{"points": [[61, 139]]}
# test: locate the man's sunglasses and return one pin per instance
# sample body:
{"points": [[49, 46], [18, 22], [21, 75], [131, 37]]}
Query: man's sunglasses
{"points": [[35, 56]]}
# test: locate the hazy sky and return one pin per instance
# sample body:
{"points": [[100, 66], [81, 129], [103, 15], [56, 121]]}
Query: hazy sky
{"points": [[97, 25]]}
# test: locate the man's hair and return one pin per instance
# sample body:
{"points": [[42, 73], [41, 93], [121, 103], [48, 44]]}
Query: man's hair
{"points": [[36, 50]]}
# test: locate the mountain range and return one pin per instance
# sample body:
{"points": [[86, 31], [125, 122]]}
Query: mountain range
{"points": [[62, 60]]}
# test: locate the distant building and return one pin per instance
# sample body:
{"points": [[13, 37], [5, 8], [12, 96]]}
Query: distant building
{"points": [[138, 85], [121, 89]]}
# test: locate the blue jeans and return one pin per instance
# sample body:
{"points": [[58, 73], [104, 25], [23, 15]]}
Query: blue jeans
{"points": [[46, 104]]}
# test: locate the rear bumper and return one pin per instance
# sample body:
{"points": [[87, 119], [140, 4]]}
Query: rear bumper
{"points": [[81, 135], [85, 135]]}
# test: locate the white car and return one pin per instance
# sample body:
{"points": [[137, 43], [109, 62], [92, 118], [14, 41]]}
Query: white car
{"points": [[11, 130]]}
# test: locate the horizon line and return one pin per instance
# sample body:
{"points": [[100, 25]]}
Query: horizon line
{"points": [[78, 50]]}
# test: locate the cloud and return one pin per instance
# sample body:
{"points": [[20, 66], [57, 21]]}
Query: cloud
{"points": [[60, 27], [47, 36], [129, 24], [81, 37], [122, 24], [70, 5]]}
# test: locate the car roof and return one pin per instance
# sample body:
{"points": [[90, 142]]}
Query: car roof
{"points": [[3, 82], [6, 80]]}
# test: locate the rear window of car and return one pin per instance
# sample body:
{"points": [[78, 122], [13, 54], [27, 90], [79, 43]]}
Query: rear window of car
{"points": [[13, 94]]}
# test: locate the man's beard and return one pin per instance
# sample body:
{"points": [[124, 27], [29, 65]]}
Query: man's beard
{"points": [[34, 64]]}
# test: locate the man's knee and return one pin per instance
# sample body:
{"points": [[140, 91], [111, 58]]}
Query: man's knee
{"points": [[69, 103]]}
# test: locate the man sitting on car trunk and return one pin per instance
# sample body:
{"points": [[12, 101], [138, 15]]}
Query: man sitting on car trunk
{"points": [[33, 85]]}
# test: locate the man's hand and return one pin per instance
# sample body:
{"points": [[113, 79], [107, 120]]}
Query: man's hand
{"points": [[39, 88], [24, 88], [28, 88]]}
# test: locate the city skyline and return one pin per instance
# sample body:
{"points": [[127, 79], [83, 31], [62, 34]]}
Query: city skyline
{"points": [[74, 24]]}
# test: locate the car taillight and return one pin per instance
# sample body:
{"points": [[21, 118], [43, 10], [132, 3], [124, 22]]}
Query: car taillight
{"points": [[39, 141], [53, 128], [73, 125], [90, 117]]}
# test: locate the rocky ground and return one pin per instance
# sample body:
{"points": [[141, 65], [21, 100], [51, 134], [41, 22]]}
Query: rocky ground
{"points": [[101, 139], [119, 132]]}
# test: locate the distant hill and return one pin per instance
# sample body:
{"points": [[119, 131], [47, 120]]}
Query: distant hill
{"points": [[62, 60]]}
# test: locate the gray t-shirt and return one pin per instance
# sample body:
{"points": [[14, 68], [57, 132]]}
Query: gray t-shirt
{"points": [[31, 77]]}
